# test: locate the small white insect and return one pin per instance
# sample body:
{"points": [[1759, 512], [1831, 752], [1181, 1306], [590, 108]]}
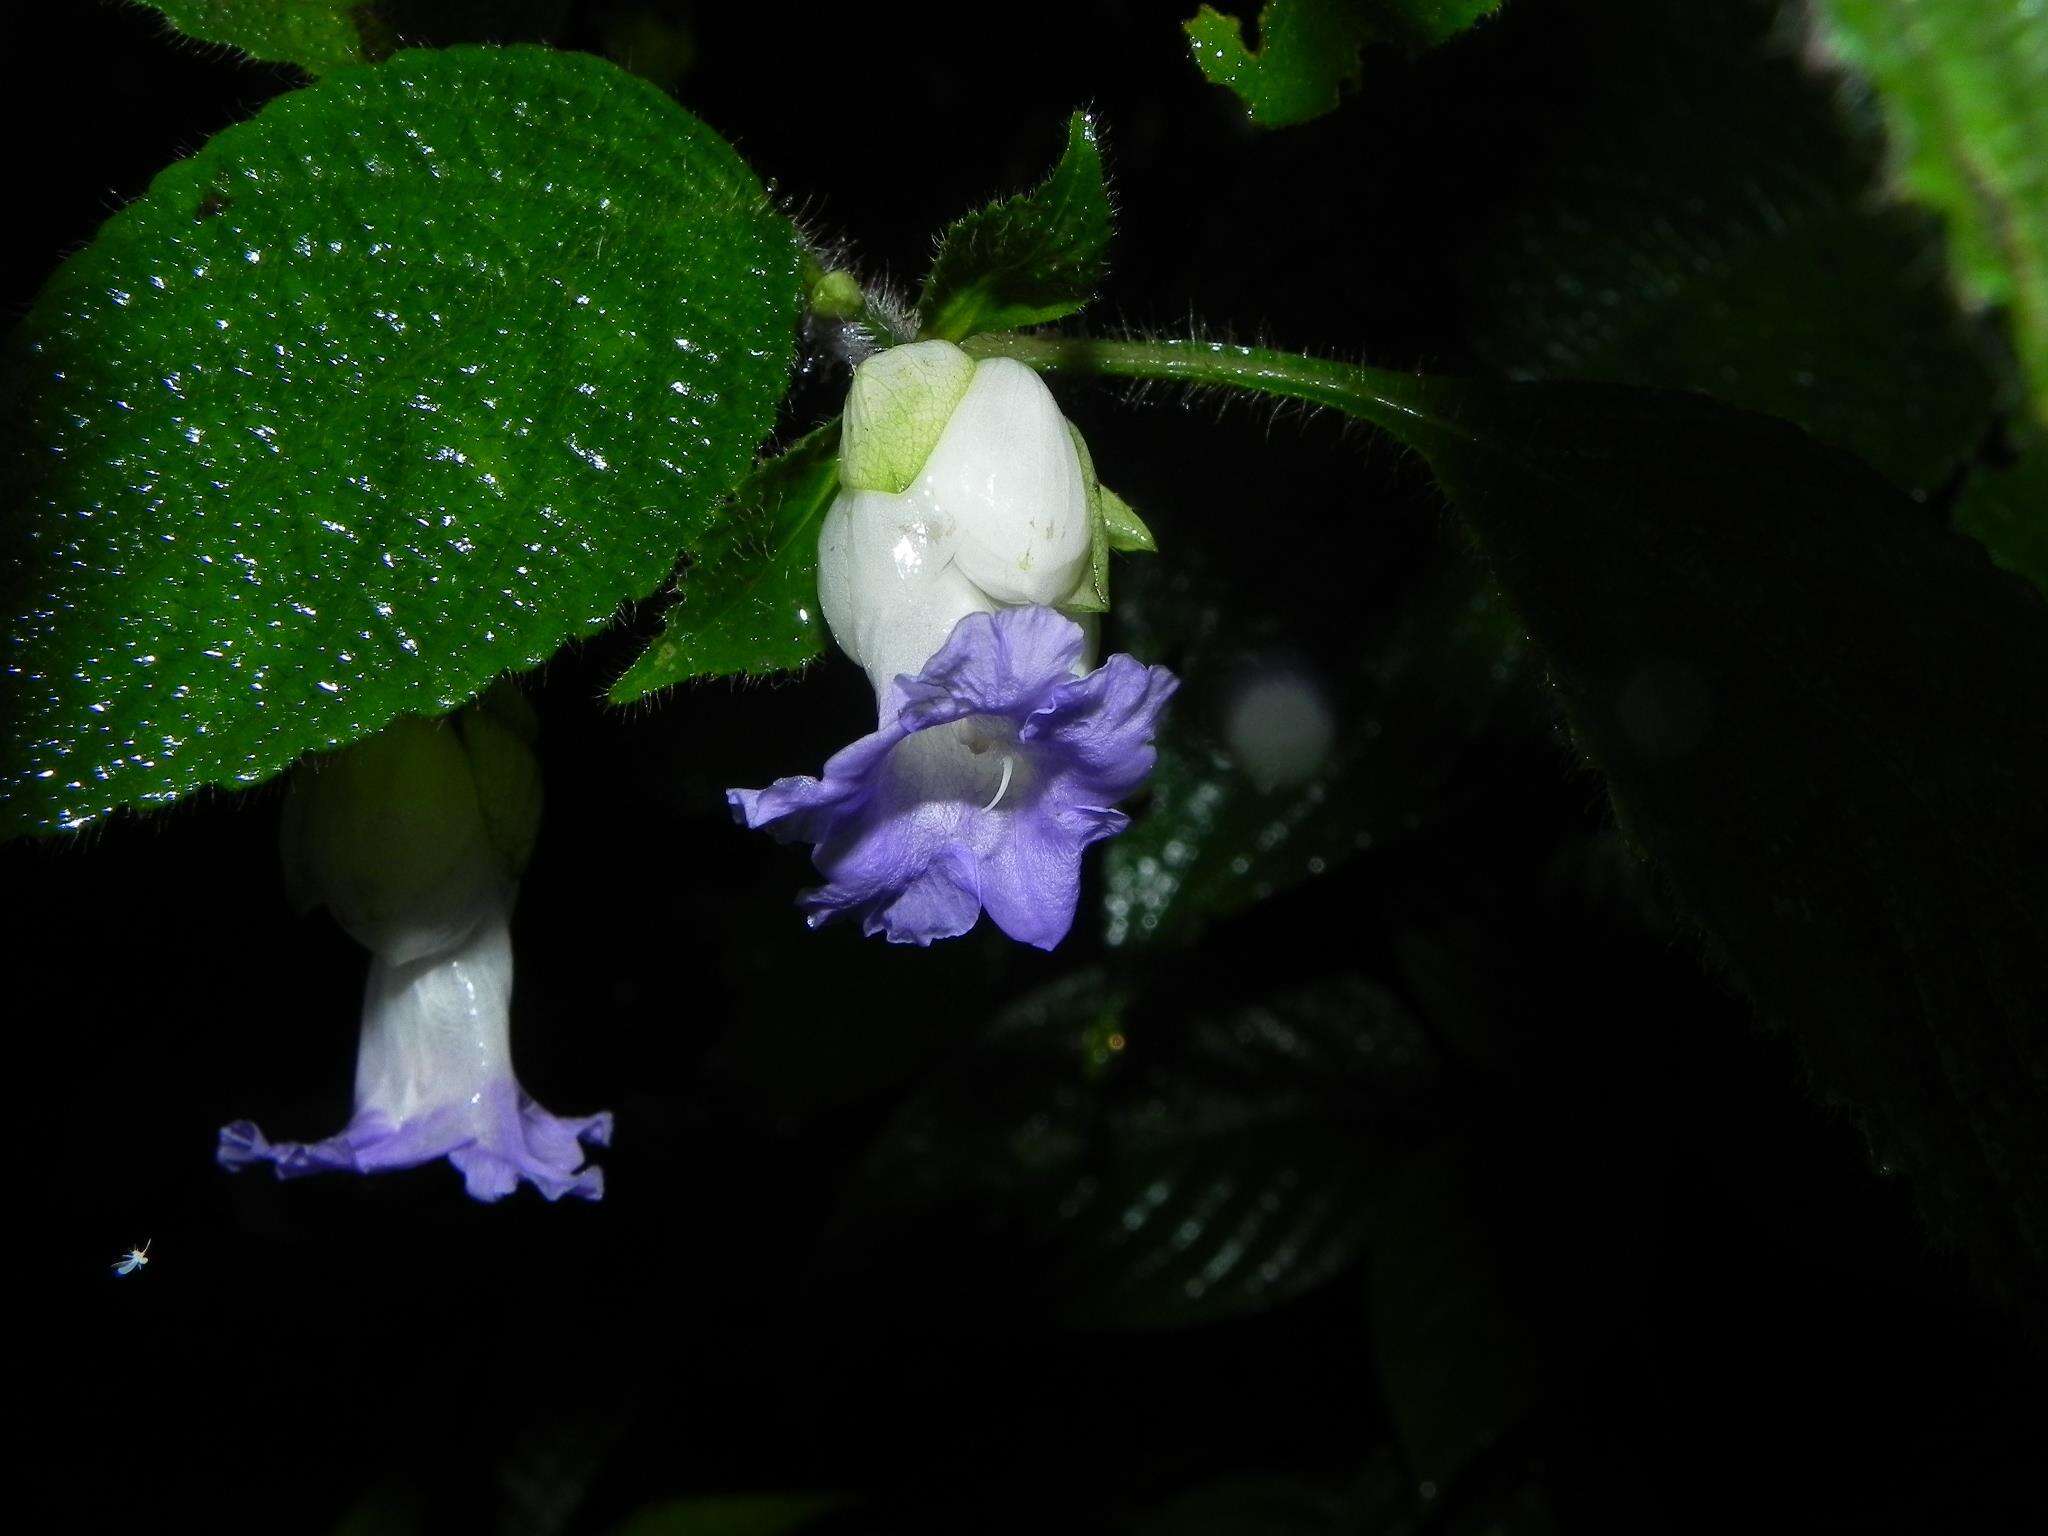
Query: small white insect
{"points": [[133, 1260]]}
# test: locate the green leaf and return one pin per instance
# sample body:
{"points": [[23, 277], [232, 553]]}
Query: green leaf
{"points": [[1027, 259], [389, 390], [1308, 49], [317, 35], [749, 601], [1163, 1167], [1963, 85], [1456, 1364], [1704, 219]]}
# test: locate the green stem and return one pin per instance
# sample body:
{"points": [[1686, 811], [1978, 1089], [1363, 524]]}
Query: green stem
{"points": [[1392, 400]]}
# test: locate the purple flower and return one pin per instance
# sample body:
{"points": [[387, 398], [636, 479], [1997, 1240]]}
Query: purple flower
{"points": [[992, 770], [434, 1079]]}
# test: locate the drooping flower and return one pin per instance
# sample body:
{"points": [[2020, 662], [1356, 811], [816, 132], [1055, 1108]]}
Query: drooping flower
{"points": [[993, 769], [968, 513], [434, 1079], [414, 840]]}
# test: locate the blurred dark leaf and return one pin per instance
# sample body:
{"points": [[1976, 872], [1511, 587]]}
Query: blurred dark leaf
{"points": [[1963, 89], [1706, 219], [2006, 510], [1456, 1364], [1156, 1169], [392, 1506], [763, 1514], [1826, 719], [1246, 1506], [1284, 757], [545, 1471]]}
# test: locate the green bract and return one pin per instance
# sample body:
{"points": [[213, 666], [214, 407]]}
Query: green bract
{"points": [[316, 35], [1027, 259], [749, 601], [389, 390]]}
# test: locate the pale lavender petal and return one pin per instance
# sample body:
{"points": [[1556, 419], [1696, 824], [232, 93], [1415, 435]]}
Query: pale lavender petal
{"points": [[940, 900], [1100, 727], [494, 1144], [997, 771], [803, 809], [434, 1079], [1031, 877], [1003, 663]]}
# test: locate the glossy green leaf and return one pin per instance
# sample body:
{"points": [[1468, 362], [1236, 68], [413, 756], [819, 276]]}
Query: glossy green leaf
{"points": [[317, 35], [393, 388], [1165, 1167], [1307, 50], [748, 604], [1026, 259], [1963, 86], [1706, 219]]}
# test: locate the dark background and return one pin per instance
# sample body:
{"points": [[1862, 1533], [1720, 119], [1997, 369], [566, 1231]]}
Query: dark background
{"points": [[1576, 1249]]}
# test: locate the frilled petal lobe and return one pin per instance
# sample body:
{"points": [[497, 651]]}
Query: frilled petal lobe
{"points": [[434, 1079], [1005, 663], [989, 777]]}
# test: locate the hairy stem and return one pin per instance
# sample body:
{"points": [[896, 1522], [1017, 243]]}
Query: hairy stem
{"points": [[1391, 400]]}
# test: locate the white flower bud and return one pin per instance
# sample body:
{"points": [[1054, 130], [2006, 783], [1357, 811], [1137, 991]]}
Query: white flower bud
{"points": [[962, 492], [1005, 470]]}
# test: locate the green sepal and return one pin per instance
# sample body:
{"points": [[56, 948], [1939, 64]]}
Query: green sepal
{"points": [[896, 412], [1091, 593], [1127, 532]]}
